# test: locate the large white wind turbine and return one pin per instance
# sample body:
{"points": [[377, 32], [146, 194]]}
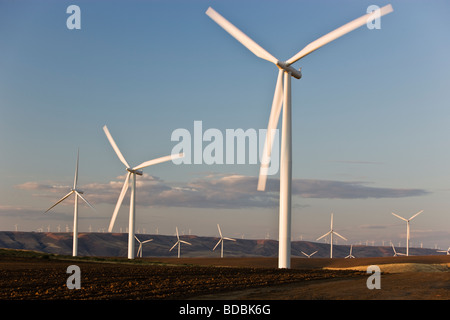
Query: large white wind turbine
{"points": [[221, 241], [407, 228], [331, 232], [281, 98], [179, 241], [141, 243], [77, 193], [132, 172]]}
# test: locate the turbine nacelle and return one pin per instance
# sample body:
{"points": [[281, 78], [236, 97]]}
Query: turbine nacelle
{"points": [[77, 190], [138, 172], [288, 68]]}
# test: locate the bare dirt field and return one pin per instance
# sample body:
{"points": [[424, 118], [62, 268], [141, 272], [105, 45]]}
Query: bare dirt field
{"points": [[44, 277]]}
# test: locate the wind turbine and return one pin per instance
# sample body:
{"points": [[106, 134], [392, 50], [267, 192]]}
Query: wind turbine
{"points": [[221, 241], [77, 193], [282, 97], [179, 241], [395, 252], [448, 251], [350, 255], [132, 172], [331, 232], [407, 228], [139, 253], [309, 255]]}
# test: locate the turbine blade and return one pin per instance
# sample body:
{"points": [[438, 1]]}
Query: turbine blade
{"points": [[217, 244], [87, 202], [186, 242], [416, 215], [119, 202], [229, 239], [346, 28], [178, 237], [158, 160], [220, 232], [240, 36], [137, 239], [75, 179], [147, 241], [174, 245], [115, 147], [59, 201], [339, 235], [324, 235], [399, 216], [272, 125]]}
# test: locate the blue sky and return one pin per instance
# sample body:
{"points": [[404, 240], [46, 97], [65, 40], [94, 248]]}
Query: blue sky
{"points": [[370, 115]]}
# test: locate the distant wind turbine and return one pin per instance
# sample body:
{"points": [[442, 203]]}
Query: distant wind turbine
{"points": [[221, 241], [350, 255], [407, 228], [397, 253], [77, 193], [447, 251], [139, 252], [331, 232], [309, 255], [132, 172], [179, 241], [281, 98]]}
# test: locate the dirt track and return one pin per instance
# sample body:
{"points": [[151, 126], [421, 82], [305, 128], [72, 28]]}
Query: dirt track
{"points": [[197, 278]]}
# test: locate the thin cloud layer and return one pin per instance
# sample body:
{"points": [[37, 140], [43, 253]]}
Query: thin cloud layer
{"points": [[224, 191]]}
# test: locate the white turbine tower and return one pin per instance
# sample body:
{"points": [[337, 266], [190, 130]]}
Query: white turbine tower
{"points": [[179, 241], [309, 255], [281, 98], [331, 232], [350, 254], [132, 172], [395, 252], [77, 193], [141, 243], [407, 228], [221, 241]]}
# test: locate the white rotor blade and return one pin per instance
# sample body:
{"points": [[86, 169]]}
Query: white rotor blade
{"points": [[115, 147], [346, 28], [416, 215], [87, 202], [178, 237], [304, 253], [217, 244], [399, 216], [59, 201], [339, 235], [75, 180], [137, 239], [147, 241], [324, 235], [240, 36], [174, 245], [229, 239], [186, 242], [158, 160], [220, 232], [273, 123], [313, 253], [139, 250], [119, 202]]}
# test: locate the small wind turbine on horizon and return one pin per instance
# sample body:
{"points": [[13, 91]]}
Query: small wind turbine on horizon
{"points": [[139, 252], [331, 232], [397, 253], [282, 98], [179, 241], [309, 255], [350, 254], [132, 172], [221, 241], [407, 228], [77, 193]]}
